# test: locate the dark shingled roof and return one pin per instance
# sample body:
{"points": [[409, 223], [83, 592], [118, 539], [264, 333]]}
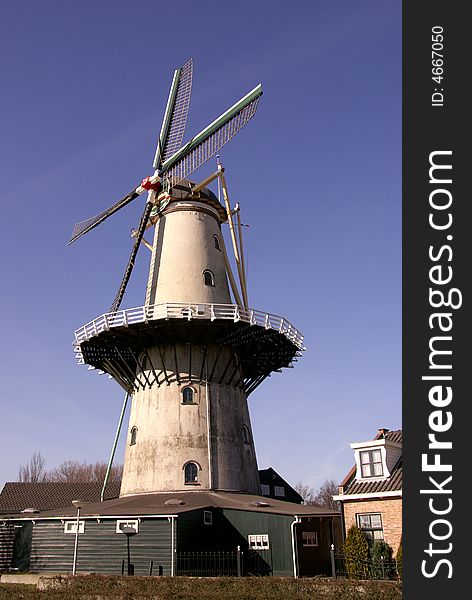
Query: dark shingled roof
{"points": [[171, 503], [391, 484], [15, 496]]}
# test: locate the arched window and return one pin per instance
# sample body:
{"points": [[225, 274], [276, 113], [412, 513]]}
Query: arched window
{"points": [[246, 437], [217, 242], [188, 395], [134, 432], [191, 472], [209, 278]]}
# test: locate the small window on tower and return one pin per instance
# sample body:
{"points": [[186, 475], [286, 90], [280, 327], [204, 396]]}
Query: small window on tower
{"points": [[188, 395], [217, 242], [246, 438], [191, 473], [133, 434], [209, 278]]}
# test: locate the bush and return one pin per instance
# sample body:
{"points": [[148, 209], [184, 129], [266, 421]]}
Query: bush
{"points": [[382, 562], [356, 554], [399, 559], [93, 587]]}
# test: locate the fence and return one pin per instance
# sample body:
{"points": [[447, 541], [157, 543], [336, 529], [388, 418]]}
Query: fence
{"points": [[236, 563], [209, 564], [344, 567]]}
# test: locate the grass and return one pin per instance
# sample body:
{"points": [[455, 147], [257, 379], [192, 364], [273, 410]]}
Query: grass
{"points": [[95, 587]]}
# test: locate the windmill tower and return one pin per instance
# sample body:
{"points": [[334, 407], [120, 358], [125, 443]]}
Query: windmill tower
{"points": [[191, 355]]}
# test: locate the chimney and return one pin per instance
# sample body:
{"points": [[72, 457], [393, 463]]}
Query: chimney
{"points": [[383, 432]]}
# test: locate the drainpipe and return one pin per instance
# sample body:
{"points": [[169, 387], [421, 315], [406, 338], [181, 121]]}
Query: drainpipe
{"points": [[172, 544], [294, 546], [113, 449]]}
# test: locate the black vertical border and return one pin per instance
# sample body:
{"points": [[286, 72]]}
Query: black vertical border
{"points": [[428, 128]]}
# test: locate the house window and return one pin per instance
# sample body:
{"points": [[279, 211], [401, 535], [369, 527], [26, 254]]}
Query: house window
{"points": [[309, 538], [265, 489], [371, 463], [207, 517], [191, 473], [71, 526], [371, 525], [209, 278], [188, 395], [217, 242], [258, 541], [279, 491], [246, 437], [123, 526], [133, 434]]}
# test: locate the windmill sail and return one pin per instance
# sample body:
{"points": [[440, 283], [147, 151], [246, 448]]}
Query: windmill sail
{"points": [[207, 143], [85, 226], [175, 116], [129, 267]]}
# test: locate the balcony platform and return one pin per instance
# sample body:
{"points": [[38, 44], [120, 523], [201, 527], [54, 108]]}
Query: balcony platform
{"points": [[114, 342]]}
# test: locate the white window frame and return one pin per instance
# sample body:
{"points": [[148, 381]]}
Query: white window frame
{"points": [[369, 532], [207, 517], [265, 489], [258, 541], [71, 526], [309, 539], [120, 523], [279, 491]]}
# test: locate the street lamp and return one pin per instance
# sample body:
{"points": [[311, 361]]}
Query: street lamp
{"points": [[129, 532], [78, 505]]}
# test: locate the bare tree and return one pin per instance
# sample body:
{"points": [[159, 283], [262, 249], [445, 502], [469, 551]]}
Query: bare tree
{"points": [[321, 497], [71, 471], [305, 491], [74, 471], [33, 471], [324, 495]]}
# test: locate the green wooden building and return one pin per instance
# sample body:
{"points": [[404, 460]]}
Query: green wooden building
{"points": [[188, 533]]}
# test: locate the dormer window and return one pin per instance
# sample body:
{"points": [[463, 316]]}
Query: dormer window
{"points": [[375, 459], [371, 463]]}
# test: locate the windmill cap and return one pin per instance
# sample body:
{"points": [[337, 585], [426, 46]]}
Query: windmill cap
{"points": [[183, 191]]}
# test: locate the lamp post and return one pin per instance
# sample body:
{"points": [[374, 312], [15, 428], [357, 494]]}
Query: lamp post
{"points": [[78, 505], [129, 532]]}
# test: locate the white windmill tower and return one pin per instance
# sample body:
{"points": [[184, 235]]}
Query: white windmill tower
{"points": [[191, 355]]}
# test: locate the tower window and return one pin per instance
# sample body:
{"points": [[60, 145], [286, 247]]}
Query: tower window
{"points": [[209, 278], [133, 434], [217, 242], [188, 395], [246, 437], [191, 473]]}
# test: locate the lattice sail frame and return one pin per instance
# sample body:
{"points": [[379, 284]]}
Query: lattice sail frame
{"points": [[207, 143], [175, 116]]}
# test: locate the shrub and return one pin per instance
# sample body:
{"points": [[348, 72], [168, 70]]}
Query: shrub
{"points": [[399, 559], [356, 554], [382, 563]]}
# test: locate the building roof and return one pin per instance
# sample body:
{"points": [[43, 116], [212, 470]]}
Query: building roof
{"points": [[17, 496], [390, 484], [173, 503]]}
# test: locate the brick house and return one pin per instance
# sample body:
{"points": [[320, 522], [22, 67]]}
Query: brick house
{"points": [[371, 493]]}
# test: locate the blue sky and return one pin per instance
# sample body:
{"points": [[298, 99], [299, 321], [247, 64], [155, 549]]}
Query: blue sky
{"points": [[317, 173]]}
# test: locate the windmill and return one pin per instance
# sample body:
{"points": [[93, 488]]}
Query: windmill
{"points": [[172, 161], [189, 357]]}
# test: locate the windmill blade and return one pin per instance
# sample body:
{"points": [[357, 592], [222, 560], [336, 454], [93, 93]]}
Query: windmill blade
{"points": [[129, 267], [211, 139], [85, 226], [175, 116]]}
